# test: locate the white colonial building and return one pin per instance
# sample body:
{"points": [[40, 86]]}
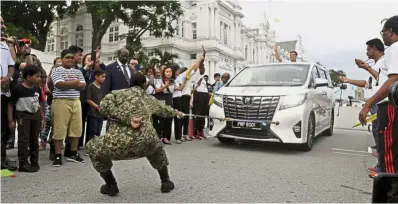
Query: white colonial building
{"points": [[215, 24]]}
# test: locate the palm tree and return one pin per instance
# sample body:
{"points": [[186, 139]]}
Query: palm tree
{"points": [[163, 58]]}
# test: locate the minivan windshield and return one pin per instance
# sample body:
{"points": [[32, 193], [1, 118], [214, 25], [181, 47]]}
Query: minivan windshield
{"points": [[272, 75]]}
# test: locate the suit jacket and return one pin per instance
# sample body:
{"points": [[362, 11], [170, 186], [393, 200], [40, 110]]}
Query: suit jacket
{"points": [[115, 79]]}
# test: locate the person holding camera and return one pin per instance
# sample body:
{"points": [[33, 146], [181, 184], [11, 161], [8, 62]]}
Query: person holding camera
{"points": [[164, 89], [387, 113], [375, 51]]}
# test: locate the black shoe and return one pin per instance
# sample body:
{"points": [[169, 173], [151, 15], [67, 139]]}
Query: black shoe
{"points": [[110, 187], [57, 162], [10, 146], [76, 158], [52, 156], [27, 168], [9, 166], [167, 186], [35, 166]]}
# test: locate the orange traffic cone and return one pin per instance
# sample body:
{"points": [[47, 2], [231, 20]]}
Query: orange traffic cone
{"points": [[191, 133]]}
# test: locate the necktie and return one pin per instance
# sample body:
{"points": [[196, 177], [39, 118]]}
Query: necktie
{"points": [[126, 75]]}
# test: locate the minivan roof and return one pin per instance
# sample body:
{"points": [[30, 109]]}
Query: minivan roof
{"points": [[284, 63]]}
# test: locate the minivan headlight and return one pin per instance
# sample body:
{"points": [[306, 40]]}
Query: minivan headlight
{"points": [[293, 101], [217, 99]]}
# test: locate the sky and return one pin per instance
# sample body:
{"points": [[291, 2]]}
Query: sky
{"points": [[333, 32]]}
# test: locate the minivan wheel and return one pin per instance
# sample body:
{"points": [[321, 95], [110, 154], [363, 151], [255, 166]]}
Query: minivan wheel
{"points": [[225, 140], [310, 134], [329, 132]]}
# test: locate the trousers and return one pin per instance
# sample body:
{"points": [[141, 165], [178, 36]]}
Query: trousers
{"points": [[29, 125], [120, 144], [388, 137], [200, 106]]}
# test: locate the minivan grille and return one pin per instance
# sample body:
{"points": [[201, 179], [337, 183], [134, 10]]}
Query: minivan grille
{"points": [[250, 107]]}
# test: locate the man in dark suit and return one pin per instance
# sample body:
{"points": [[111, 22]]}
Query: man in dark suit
{"points": [[118, 74]]}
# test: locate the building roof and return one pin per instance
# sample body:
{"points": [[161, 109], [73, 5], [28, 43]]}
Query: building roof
{"points": [[288, 45]]}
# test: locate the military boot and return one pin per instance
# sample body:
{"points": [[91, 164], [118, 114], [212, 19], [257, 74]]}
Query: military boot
{"points": [[167, 185], [110, 187]]}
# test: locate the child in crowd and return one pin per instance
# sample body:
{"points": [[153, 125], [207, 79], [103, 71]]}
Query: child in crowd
{"points": [[95, 94], [28, 102]]}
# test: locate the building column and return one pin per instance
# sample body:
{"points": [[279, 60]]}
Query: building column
{"points": [[211, 22], [212, 70], [237, 41], [188, 29], [180, 27], [71, 33], [217, 23], [232, 34]]}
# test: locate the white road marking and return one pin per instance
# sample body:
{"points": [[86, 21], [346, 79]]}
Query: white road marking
{"points": [[347, 150], [370, 150], [362, 155]]}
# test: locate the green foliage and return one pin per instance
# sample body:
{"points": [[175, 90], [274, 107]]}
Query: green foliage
{"points": [[19, 32], [140, 16], [163, 58], [35, 17], [334, 75]]}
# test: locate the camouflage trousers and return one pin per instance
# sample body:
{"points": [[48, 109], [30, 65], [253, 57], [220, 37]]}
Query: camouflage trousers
{"points": [[120, 143]]}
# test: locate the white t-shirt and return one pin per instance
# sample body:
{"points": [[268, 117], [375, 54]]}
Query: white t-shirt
{"points": [[392, 59], [178, 83], [150, 90], [6, 61], [159, 83], [188, 86], [202, 86], [380, 67]]}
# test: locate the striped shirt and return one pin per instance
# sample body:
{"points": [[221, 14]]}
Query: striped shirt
{"points": [[62, 74]]}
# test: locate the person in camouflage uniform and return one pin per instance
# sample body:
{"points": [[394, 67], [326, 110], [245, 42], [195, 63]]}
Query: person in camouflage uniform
{"points": [[131, 134]]}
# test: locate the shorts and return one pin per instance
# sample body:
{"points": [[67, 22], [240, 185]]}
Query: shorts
{"points": [[67, 118]]}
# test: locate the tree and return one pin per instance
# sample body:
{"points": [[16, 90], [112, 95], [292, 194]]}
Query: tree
{"points": [[154, 16], [33, 18], [334, 75], [164, 58]]}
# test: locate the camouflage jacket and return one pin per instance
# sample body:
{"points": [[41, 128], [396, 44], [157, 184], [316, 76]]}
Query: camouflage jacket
{"points": [[124, 104], [36, 62]]}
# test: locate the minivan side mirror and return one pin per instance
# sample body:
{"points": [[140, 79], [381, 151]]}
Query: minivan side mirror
{"points": [[319, 82]]}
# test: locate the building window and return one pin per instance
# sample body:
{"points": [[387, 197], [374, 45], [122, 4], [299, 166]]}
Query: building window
{"points": [[193, 56], [79, 36], [225, 34], [182, 29], [50, 41], [64, 39], [114, 34], [246, 52], [177, 27], [194, 31]]}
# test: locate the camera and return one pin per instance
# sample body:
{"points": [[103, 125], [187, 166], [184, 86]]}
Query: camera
{"points": [[393, 94]]}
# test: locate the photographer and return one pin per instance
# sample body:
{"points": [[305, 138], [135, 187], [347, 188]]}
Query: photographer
{"points": [[375, 51], [387, 114]]}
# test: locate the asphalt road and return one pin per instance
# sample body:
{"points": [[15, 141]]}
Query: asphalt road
{"points": [[207, 171]]}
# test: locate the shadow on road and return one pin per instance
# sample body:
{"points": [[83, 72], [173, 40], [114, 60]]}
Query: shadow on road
{"points": [[267, 147]]}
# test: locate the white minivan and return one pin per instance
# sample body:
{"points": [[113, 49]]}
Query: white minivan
{"points": [[282, 102]]}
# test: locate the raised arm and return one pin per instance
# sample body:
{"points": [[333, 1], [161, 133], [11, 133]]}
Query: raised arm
{"points": [[277, 54]]}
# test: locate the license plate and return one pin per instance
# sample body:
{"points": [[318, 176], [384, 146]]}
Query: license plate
{"points": [[163, 102], [246, 125]]}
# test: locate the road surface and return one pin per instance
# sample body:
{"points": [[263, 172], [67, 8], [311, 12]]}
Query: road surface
{"points": [[207, 171]]}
